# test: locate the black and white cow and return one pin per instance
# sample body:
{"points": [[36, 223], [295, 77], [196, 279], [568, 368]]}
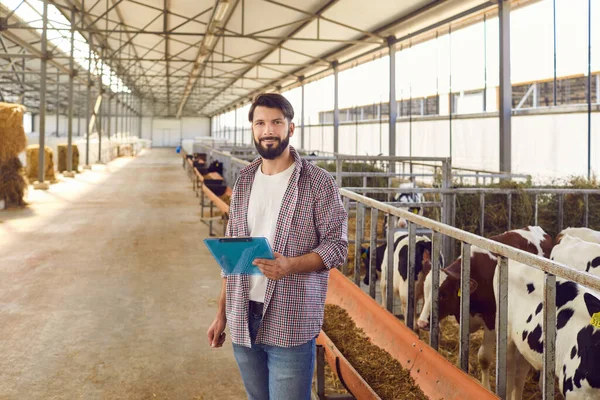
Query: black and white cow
{"points": [[422, 250], [578, 254], [586, 234], [577, 333]]}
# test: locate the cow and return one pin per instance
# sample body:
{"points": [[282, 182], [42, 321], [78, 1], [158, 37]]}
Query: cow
{"points": [[586, 234], [216, 166], [482, 301], [400, 258], [406, 198], [578, 254], [577, 333], [366, 254]]}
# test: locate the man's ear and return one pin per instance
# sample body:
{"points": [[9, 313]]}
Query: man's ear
{"points": [[292, 129]]}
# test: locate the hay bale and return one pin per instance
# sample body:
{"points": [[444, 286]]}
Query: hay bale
{"points": [[32, 163], [12, 183], [12, 134], [125, 150], [62, 157]]}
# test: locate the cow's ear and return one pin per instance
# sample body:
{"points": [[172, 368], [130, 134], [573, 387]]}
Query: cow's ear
{"points": [[453, 269], [426, 256], [592, 303], [474, 285]]}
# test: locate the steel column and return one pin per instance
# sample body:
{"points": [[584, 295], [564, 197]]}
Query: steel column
{"points": [[88, 104], [57, 100], [505, 87], [99, 116], [589, 92], [43, 93], [336, 109], [392, 100], [70, 112], [302, 142]]}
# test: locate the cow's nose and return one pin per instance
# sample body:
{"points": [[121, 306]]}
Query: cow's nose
{"points": [[402, 223], [423, 325]]}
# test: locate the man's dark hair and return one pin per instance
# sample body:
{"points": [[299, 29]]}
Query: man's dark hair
{"points": [[272, 100]]}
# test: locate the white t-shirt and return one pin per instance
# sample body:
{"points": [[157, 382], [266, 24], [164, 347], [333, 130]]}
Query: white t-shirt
{"points": [[266, 197]]}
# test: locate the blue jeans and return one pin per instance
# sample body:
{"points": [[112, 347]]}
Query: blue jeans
{"points": [[275, 373]]}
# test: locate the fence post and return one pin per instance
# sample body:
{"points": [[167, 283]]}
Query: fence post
{"points": [[447, 209]]}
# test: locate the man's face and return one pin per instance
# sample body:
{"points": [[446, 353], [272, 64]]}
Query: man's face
{"points": [[271, 132]]}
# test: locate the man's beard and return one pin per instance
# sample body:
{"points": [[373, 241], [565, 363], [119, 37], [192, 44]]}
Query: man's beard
{"points": [[275, 150]]}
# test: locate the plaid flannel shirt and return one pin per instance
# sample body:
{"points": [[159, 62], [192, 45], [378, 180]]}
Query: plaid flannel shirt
{"points": [[312, 219]]}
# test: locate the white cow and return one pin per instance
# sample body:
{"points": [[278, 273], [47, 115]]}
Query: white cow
{"points": [[587, 234], [577, 335], [578, 254], [423, 245]]}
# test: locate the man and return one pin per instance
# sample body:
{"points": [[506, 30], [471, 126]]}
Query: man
{"points": [[275, 318]]}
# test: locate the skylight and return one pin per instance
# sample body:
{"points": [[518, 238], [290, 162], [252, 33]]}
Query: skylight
{"points": [[30, 12]]}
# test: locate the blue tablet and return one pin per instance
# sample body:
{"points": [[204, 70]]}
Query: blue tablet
{"points": [[235, 254]]}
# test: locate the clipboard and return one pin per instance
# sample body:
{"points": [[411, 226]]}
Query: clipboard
{"points": [[235, 254]]}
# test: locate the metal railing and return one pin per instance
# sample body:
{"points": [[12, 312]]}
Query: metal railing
{"points": [[550, 268]]}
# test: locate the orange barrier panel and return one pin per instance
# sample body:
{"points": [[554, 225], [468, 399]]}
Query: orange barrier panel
{"points": [[437, 377]]}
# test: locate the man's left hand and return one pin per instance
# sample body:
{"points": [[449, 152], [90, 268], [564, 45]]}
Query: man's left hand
{"points": [[275, 269]]}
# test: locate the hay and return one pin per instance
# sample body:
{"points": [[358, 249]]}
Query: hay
{"points": [[32, 163], [449, 349], [125, 150], [62, 157], [378, 368], [12, 135], [523, 209], [12, 183]]}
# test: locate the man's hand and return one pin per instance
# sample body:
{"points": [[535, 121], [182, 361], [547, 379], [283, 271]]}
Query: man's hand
{"points": [[275, 269], [216, 333]]}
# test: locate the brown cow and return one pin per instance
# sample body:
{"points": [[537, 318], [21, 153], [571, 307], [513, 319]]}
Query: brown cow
{"points": [[483, 303]]}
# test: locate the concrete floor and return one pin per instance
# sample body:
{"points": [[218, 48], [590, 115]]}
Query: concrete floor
{"points": [[106, 290]]}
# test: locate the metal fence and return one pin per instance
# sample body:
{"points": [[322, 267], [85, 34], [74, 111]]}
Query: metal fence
{"points": [[505, 252]]}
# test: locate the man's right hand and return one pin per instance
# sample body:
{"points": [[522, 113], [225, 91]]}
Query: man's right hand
{"points": [[216, 332]]}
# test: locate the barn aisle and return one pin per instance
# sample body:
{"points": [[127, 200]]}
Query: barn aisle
{"points": [[107, 290]]}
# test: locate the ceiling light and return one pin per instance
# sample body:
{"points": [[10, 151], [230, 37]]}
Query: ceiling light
{"points": [[208, 39], [221, 10]]}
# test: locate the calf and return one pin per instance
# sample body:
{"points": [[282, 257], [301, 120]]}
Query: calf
{"points": [[482, 302], [578, 254], [400, 283], [366, 254], [586, 234], [577, 333]]}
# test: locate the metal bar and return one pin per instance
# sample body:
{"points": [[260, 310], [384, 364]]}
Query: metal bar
{"points": [[392, 100], [434, 327], [549, 329], [70, 112], [465, 304], [336, 109], [389, 289], [554, 45], [561, 209], [410, 302], [57, 110], [482, 213], [360, 222], [43, 92], [505, 87], [509, 211], [501, 326], [373, 253], [88, 102], [589, 91], [586, 215], [484, 62], [99, 111], [302, 141], [447, 211], [346, 202]]}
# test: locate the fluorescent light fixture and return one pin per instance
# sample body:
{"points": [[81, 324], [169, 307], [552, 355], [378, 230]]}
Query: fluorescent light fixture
{"points": [[221, 10], [208, 39]]}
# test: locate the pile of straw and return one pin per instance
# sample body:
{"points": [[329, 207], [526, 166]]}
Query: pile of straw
{"points": [[125, 150], [62, 157], [33, 162], [12, 136], [12, 183]]}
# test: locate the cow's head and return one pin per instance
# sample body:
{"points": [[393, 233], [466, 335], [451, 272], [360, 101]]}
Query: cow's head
{"points": [[448, 294]]}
